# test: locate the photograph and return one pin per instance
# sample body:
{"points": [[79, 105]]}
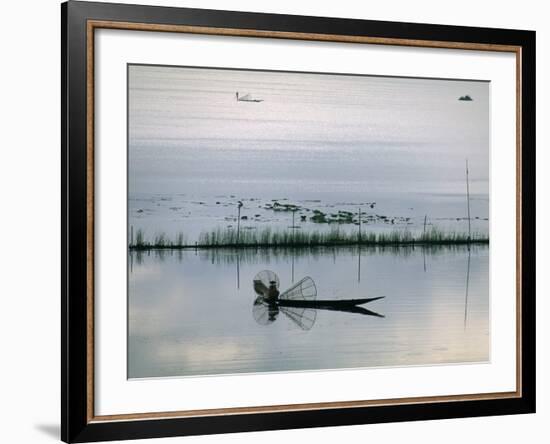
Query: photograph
{"points": [[279, 220], [284, 221]]}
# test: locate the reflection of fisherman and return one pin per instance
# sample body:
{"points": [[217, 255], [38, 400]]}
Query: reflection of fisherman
{"points": [[272, 294]]}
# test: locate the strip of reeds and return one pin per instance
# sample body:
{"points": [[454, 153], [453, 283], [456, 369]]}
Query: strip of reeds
{"points": [[268, 238], [252, 256]]}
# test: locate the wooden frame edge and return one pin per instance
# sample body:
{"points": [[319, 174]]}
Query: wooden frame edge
{"points": [[336, 38], [90, 210], [284, 408]]}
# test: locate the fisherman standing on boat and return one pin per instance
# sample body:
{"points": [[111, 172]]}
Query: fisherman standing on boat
{"points": [[272, 294]]}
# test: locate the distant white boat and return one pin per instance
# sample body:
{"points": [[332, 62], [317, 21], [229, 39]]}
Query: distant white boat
{"points": [[246, 98]]}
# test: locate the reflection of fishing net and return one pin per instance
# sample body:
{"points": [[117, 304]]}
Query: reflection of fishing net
{"points": [[263, 312], [303, 290], [266, 308], [302, 317], [263, 280]]}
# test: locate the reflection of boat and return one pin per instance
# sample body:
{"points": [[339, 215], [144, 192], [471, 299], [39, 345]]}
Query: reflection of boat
{"points": [[327, 304], [299, 303], [246, 98]]}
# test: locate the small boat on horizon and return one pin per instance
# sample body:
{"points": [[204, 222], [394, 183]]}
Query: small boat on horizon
{"points": [[246, 98], [466, 98]]}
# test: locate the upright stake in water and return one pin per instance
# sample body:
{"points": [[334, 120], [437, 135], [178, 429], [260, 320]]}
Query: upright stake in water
{"points": [[293, 226], [468, 198], [359, 250], [359, 234], [424, 231], [239, 205], [424, 239]]}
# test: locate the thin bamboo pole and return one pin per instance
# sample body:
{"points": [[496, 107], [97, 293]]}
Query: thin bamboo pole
{"points": [[468, 198]]}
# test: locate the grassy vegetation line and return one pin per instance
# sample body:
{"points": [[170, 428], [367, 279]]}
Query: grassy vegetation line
{"points": [[267, 238]]}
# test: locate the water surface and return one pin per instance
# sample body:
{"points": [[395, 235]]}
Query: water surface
{"points": [[191, 313], [324, 142], [394, 149]]}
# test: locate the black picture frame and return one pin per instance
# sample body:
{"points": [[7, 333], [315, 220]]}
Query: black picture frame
{"points": [[77, 425]]}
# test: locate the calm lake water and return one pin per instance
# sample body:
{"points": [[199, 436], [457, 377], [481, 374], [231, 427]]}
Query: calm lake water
{"points": [[322, 142], [393, 149], [191, 313]]}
